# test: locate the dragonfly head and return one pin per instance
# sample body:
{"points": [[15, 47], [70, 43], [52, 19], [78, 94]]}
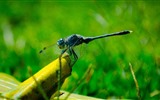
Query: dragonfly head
{"points": [[61, 43]]}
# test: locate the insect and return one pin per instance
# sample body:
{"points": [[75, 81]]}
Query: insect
{"points": [[74, 40]]}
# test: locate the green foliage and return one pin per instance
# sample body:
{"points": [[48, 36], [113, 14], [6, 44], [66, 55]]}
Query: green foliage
{"points": [[28, 26]]}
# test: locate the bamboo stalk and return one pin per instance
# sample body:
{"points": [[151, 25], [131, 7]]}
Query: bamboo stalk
{"points": [[47, 79]]}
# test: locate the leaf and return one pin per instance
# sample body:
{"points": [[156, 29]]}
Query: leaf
{"points": [[7, 82]]}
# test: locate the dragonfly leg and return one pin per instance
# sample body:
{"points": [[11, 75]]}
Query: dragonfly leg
{"points": [[71, 52], [63, 51], [74, 55]]}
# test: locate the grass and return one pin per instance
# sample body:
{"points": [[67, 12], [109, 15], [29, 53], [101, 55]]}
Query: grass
{"points": [[26, 27]]}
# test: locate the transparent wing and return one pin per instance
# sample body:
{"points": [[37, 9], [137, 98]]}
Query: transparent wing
{"points": [[49, 53], [80, 50]]}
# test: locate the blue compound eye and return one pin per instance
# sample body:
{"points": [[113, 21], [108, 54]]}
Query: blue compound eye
{"points": [[61, 43]]}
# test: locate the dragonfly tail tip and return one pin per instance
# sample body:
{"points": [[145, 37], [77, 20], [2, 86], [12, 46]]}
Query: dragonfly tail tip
{"points": [[130, 31]]}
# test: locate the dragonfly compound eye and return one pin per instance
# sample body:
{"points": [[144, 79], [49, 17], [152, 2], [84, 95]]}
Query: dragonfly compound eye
{"points": [[61, 43]]}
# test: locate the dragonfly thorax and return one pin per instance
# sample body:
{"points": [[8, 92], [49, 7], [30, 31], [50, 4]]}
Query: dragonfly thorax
{"points": [[74, 40]]}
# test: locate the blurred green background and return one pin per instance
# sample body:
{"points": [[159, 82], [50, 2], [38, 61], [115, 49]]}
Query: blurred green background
{"points": [[26, 27]]}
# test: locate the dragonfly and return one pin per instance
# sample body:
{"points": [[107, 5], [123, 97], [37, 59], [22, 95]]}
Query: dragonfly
{"points": [[75, 39]]}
